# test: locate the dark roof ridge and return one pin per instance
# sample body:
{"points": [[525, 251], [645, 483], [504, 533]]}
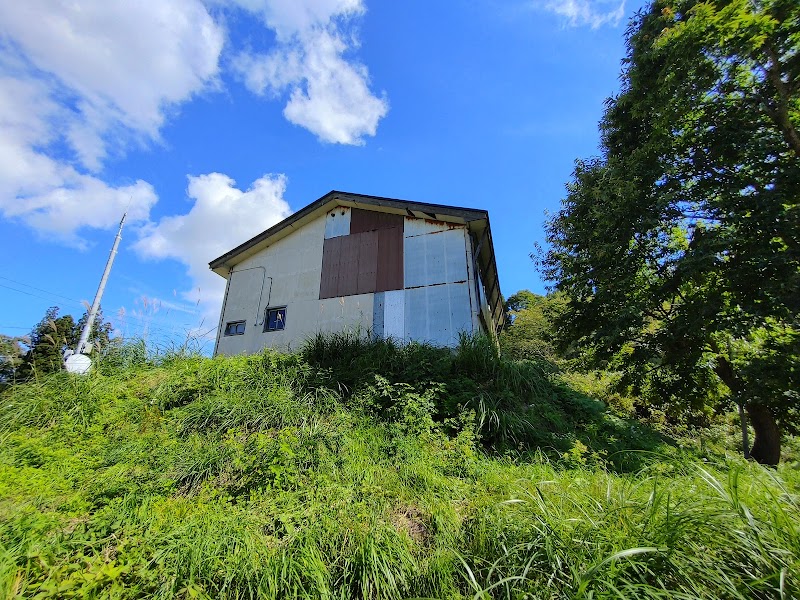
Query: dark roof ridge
{"points": [[443, 209]]}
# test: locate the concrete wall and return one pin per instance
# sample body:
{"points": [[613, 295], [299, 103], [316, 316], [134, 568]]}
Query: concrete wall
{"points": [[291, 268], [440, 298]]}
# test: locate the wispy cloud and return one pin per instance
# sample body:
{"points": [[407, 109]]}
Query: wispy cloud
{"points": [[328, 94], [579, 13], [77, 83]]}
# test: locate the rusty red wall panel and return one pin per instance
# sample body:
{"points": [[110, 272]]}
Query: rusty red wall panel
{"points": [[329, 282], [390, 259], [348, 266], [368, 220], [367, 261]]}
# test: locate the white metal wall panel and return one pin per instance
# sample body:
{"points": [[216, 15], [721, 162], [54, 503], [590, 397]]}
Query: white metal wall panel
{"points": [[394, 314], [337, 222], [437, 314], [413, 227], [378, 310], [245, 296], [434, 258], [293, 266], [353, 313], [474, 302]]}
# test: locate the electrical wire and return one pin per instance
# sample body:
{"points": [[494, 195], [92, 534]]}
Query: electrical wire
{"points": [[33, 287], [35, 295], [49, 292], [145, 322]]}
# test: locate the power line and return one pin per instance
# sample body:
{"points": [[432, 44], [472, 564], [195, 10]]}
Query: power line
{"points": [[162, 326], [77, 302], [31, 294], [33, 287]]}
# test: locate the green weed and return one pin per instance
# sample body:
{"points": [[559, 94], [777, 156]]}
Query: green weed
{"points": [[360, 468]]}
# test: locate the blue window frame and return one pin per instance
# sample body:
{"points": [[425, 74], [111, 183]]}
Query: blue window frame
{"points": [[235, 328], [275, 319]]}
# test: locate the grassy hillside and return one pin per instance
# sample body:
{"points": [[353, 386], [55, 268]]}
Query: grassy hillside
{"points": [[364, 470]]}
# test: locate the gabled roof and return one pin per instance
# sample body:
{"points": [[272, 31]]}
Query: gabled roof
{"points": [[476, 220]]}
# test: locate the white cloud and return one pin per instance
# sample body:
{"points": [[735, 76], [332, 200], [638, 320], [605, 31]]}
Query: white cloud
{"points": [[221, 217], [328, 94], [81, 80], [594, 13], [290, 17], [50, 195], [83, 201], [125, 60]]}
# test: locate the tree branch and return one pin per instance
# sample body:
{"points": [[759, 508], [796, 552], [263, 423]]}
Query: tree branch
{"points": [[780, 114]]}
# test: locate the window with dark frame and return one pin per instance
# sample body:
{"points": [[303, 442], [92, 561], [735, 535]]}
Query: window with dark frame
{"points": [[235, 328], [275, 319]]}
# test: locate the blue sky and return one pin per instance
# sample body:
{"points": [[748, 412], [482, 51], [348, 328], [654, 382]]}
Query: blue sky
{"points": [[211, 121]]}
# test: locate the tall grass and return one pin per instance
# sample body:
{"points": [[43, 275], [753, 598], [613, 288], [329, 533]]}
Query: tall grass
{"points": [[364, 469], [702, 533]]}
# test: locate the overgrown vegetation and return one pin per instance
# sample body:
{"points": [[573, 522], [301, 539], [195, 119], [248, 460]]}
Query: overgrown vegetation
{"points": [[363, 469]]}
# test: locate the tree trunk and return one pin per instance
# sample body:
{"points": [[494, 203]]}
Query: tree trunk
{"points": [[767, 443], [745, 436]]}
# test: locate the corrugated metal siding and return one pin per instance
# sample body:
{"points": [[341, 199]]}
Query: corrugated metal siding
{"points": [[367, 269], [388, 315], [329, 280], [435, 258], [422, 226], [473, 286], [394, 303], [378, 310], [437, 314], [390, 259], [362, 263], [368, 220], [437, 282], [348, 266]]}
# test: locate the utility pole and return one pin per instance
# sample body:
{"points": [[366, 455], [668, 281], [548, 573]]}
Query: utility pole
{"points": [[77, 361]]}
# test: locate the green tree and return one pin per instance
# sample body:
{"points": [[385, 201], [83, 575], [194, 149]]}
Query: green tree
{"points": [[53, 335], [678, 248], [11, 357], [528, 333]]}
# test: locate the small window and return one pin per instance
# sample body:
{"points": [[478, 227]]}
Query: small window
{"points": [[275, 319], [234, 328]]}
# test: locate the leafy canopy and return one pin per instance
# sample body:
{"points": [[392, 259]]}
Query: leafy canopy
{"points": [[528, 333], [678, 247]]}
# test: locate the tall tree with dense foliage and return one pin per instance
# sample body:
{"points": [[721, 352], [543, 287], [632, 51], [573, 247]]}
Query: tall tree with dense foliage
{"points": [[679, 247], [528, 333]]}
